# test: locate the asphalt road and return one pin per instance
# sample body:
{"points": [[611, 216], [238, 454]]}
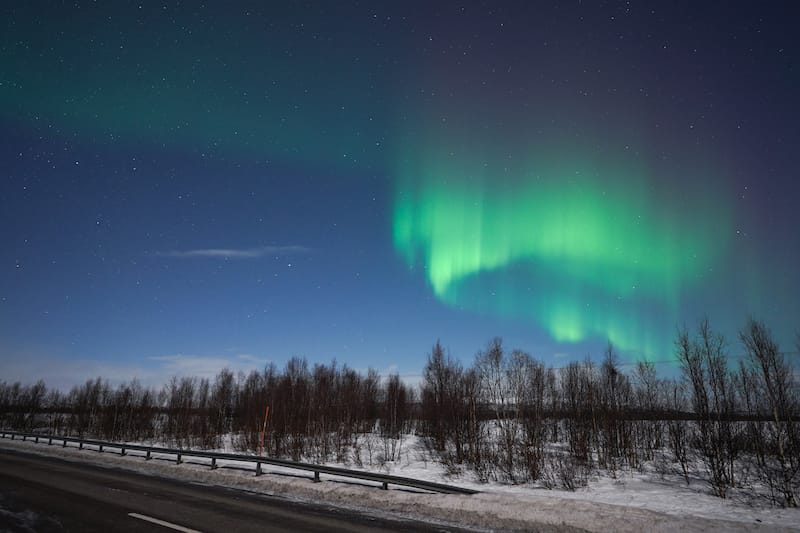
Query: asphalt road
{"points": [[46, 494]]}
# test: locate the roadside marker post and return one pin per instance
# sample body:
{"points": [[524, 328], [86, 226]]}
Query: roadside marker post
{"points": [[263, 432]]}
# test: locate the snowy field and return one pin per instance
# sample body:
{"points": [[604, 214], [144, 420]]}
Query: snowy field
{"points": [[634, 501]]}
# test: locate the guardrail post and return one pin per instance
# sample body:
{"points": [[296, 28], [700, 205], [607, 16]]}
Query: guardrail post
{"points": [[385, 485], [213, 463], [36, 440], [147, 458], [80, 445], [100, 449], [65, 444], [179, 459], [12, 436], [122, 451], [258, 469], [316, 476], [24, 438], [50, 441]]}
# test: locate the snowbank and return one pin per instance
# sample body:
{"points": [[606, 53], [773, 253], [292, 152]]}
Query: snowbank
{"points": [[633, 505]]}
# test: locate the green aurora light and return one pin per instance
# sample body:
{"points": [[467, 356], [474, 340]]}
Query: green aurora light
{"points": [[582, 254]]}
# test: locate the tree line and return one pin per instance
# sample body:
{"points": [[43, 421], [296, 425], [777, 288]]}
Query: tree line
{"points": [[507, 417], [556, 426]]}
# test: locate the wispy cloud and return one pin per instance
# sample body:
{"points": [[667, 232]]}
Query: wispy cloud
{"points": [[65, 373], [154, 371], [206, 366], [235, 253]]}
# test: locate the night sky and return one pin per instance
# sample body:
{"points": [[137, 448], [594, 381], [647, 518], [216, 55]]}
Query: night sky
{"points": [[186, 186]]}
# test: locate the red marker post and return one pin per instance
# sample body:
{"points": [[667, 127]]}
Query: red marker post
{"points": [[263, 432]]}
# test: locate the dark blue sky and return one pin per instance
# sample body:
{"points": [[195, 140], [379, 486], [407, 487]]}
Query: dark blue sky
{"points": [[187, 187]]}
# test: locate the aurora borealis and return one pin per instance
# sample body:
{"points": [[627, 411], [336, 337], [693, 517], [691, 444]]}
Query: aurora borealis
{"points": [[191, 186], [592, 250]]}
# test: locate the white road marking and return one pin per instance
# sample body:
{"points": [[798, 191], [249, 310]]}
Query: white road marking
{"points": [[170, 525]]}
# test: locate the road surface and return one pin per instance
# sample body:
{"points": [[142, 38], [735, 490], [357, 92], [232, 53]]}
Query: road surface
{"points": [[46, 494]]}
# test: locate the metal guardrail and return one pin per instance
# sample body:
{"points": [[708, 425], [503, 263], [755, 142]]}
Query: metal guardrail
{"points": [[384, 479]]}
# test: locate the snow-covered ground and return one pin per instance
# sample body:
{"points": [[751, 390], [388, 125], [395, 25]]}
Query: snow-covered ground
{"points": [[632, 502]]}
